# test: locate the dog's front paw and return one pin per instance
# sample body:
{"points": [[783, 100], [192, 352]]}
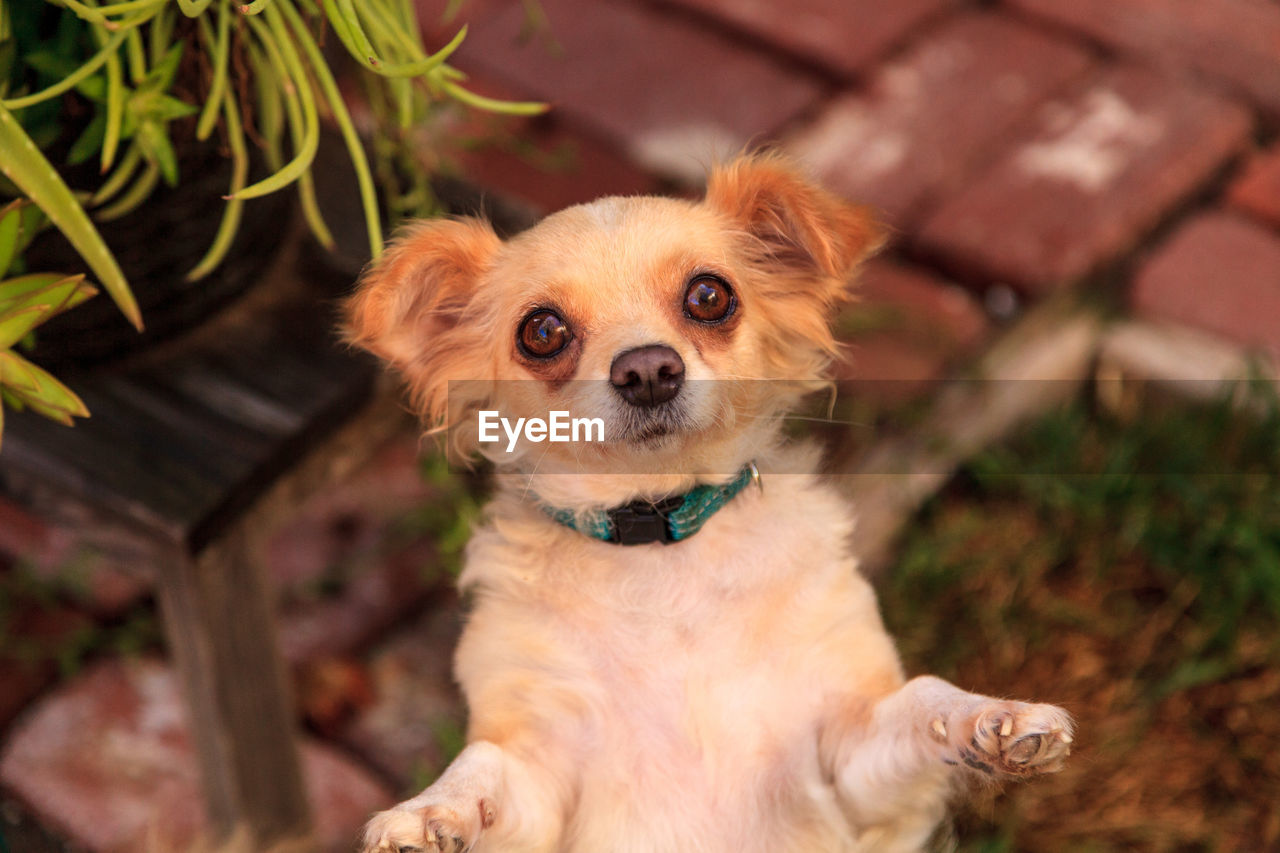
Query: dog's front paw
{"points": [[428, 829], [1007, 739]]}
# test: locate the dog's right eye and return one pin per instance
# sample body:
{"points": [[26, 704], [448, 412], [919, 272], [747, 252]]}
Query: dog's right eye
{"points": [[543, 334], [709, 299]]}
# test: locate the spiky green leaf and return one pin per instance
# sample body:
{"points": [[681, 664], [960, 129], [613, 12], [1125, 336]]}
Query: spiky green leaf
{"points": [[55, 290], [156, 147], [157, 106], [33, 222], [10, 232], [14, 291], [161, 75], [90, 141], [22, 163], [15, 325], [10, 399], [15, 375], [8, 59], [50, 398], [93, 87]]}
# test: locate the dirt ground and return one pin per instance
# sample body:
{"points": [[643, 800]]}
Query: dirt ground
{"points": [[1130, 572]]}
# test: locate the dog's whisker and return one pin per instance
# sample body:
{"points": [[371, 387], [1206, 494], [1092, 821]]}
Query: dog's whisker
{"points": [[811, 419], [528, 483]]}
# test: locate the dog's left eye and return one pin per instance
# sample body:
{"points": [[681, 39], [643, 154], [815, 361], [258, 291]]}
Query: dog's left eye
{"points": [[543, 334], [709, 299]]}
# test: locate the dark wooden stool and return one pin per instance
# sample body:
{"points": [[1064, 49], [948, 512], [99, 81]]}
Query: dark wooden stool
{"points": [[190, 453]]}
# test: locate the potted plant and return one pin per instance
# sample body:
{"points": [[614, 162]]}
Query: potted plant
{"points": [[103, 101]]}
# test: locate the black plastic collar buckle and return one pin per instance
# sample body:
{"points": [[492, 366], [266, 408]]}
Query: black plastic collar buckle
{"points": [[642, 522]]}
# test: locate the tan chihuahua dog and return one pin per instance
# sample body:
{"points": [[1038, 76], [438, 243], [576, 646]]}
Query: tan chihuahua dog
{"points": [[670, 647]]}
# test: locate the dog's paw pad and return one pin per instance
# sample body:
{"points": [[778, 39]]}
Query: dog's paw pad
{"points": [[1015, 739], [429, 830], [395, 831]]}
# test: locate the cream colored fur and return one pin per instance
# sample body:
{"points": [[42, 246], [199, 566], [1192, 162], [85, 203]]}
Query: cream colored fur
{"points": [[732, 692]]}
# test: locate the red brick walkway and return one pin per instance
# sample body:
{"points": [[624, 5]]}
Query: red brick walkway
{"points": [[1018, 147]]}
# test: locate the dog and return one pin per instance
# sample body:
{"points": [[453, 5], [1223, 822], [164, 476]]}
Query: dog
{"points": [[639, 679]]}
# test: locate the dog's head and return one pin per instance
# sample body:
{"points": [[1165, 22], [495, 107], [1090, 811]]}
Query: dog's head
{"points": [[660, 316]]}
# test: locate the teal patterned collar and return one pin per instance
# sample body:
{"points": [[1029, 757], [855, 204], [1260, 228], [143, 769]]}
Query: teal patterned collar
{"points": [[668, 520]]}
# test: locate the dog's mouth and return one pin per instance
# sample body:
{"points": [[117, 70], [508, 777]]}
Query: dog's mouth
{"points": [[650, 435], [651, 427]]}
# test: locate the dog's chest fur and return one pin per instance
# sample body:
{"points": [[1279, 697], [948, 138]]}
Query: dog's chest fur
{"points": [[685, 685]]}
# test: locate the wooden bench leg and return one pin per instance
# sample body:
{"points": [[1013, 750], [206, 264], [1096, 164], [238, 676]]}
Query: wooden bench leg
{"points": [[219, 622]]}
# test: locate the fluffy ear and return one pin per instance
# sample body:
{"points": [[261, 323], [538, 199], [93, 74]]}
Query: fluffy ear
{"points": [[410, 307], [806, 245], [800, 225]]}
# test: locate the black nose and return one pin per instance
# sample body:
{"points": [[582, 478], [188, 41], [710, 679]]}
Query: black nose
{"points": [[647, 376]]}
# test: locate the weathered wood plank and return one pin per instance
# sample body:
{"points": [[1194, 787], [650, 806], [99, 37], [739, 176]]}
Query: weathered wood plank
{"points": [[180, 446], [202, 380], [218, 619], [110, 463]]}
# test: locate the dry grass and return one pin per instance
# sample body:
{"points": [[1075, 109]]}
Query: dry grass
{"points": [[1144, 596]]}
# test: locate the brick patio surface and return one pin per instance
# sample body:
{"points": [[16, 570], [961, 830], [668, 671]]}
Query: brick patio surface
{"points": [[1098, 168], [1257, 190], [847, 36], [106, 759], [1218, 272], [1031, 144], [1229, 42], [1018, 147], [917, 131]]}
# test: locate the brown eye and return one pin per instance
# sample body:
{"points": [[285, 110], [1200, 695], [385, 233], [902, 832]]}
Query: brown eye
{"points": [[543, 334], [709, 299]]}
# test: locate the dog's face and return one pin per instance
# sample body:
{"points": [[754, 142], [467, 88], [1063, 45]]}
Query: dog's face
{"points": [[656, 315]]}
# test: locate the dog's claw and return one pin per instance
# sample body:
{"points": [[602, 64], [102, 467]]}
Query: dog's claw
{"points": [[1009, 738], [425, 830], [939, 729]]}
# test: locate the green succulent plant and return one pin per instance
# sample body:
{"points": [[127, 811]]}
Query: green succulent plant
{"points": [[262, 78], [26, 301]]}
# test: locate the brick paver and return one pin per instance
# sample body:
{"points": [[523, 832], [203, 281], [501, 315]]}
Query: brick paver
{"points": [[929, 117], [906, 327], [346, 562], [1257, 190], [32, 636], [416, 715], [1235, 42], [672, 93], [1219, 272], [913, 303], [106, 760], [549, 167], [376, 593], [1102, 167], [58, 556], [844, 35], [544, 162]]}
